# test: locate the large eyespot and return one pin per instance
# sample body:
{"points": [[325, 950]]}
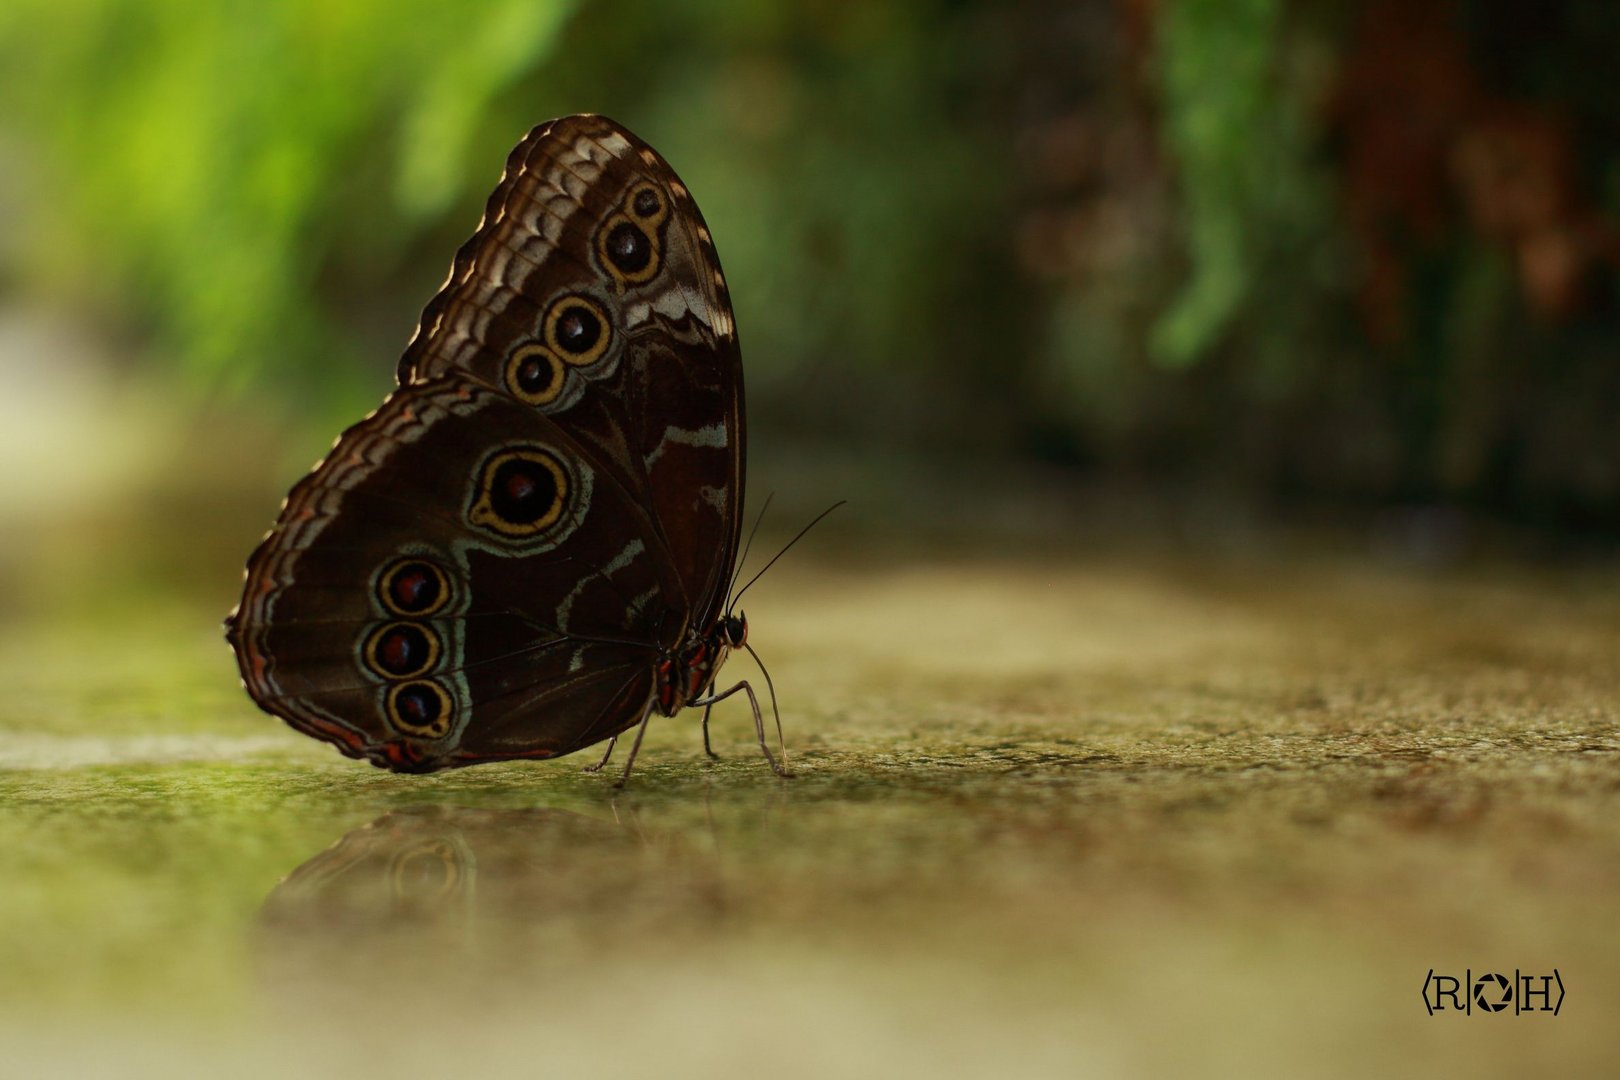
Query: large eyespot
{"points": [[412, 586], [628, 249], [420, 709], [646, 203], [535, 375], [519, 492], [401, 649], [577, 330]]}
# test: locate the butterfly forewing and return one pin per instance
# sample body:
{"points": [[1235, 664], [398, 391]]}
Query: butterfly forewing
{"points": [[493, 563], [588, 221]]}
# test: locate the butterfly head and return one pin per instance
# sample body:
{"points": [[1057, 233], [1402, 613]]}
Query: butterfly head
{"points": [[734, 630]]}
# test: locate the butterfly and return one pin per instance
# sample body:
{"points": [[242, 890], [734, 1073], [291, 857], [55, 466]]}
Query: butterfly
{"points": [[528, 547]]}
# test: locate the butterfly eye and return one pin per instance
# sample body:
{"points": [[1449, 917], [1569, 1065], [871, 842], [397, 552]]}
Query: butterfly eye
{"points": [[421, 709], [413, 587], [735, 631]]}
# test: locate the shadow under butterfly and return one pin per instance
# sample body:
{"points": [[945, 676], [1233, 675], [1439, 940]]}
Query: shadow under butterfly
{"points": [[530, 546]]}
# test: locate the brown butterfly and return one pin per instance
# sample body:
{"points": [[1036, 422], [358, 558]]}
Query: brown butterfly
{"points": [[528, 547]]}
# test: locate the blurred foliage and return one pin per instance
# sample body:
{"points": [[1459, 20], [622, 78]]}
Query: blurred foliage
{"points": [[268, 190], [1309, 250], [208, 164], [1238, 126]]}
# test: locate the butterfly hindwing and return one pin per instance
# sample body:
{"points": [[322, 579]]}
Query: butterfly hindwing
{"points": [[436, 584]]}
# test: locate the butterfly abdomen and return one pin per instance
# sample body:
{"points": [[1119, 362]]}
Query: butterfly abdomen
{"points": [[688, 674]]}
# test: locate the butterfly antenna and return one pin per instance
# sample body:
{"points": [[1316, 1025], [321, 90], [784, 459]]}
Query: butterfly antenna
{"points": [[743, 558], [813, 523], [781, 743]]}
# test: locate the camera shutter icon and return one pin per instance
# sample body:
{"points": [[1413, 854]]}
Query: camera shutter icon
{"points": [[1485, 999]]}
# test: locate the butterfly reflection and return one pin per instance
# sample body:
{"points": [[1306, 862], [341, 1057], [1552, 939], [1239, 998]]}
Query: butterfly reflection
{"points": [[449, 870]]}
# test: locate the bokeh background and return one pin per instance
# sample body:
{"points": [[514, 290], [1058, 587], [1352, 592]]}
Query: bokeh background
{"points": [[1309, 255], [1039, 288]]}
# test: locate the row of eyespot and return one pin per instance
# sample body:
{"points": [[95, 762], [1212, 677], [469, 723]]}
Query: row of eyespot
{"points": [[575, 331], [400, 650]]}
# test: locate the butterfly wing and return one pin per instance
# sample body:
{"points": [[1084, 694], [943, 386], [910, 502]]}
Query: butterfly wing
{"points": [[491, 565], [454, 583]]}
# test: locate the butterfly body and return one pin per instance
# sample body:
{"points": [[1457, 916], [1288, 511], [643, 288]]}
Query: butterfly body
{"points": [[527, 548], [686, 675]]}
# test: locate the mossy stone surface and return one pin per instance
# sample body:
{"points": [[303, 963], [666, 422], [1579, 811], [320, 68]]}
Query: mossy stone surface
{"points": [[1052, 816]]}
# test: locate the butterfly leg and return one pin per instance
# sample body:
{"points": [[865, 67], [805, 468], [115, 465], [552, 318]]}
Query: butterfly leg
{"points": [[614, 741], [635, 747], [707, 749], [780, 768]]}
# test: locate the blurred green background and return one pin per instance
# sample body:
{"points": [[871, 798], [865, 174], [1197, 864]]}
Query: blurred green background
{"points": [[1163, 702], [1309, 255]]}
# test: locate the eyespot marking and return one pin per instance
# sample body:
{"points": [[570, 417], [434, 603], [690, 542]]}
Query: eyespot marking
{"points": [[421, 709], [630, 252], [412, 586], [534, 375], [519, 492], [577, 331], [400, 650], [646, 203], [629, 245]]}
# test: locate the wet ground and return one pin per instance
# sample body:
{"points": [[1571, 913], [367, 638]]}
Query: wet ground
{"points": [[1052, 816]]}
